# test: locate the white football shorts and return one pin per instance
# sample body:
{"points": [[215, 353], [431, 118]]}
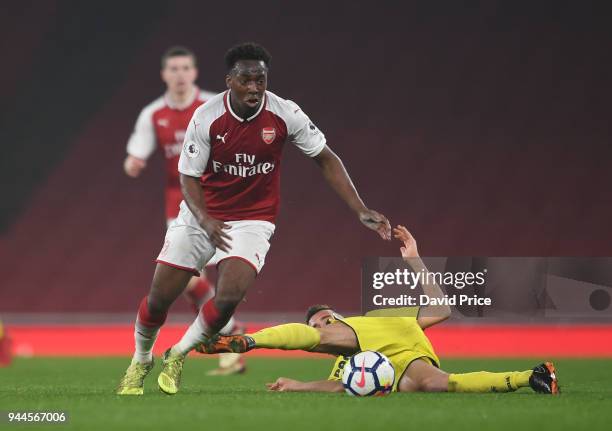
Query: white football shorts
{"points": [[187, 246]]}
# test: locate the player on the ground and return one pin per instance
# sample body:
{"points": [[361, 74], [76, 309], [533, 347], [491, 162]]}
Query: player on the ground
{"points": [[161, 125], [230, 177], [401, 339]]}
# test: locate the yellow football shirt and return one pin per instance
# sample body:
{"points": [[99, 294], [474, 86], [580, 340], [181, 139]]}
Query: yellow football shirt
{"points": [[400, 339]]}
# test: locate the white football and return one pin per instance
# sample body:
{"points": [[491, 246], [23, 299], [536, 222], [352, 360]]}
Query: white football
{"points": [[368, 373]]}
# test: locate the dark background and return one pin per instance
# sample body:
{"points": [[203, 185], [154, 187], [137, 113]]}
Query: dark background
{"points": [[482, 126]]}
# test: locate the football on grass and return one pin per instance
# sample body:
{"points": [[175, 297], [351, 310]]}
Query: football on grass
{"points": [[368, 373]]}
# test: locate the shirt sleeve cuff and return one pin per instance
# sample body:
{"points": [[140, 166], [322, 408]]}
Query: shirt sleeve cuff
{"points": [[190, 172], [318, 149]]}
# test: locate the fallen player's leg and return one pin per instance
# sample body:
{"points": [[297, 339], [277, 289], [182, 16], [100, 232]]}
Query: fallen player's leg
{"points": [[339, 339], [291, 336], [424, 377]]}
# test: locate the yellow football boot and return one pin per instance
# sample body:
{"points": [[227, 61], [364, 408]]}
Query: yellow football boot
{"points": [[169, 379], [132, 382]]}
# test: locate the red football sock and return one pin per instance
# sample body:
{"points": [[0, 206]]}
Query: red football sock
{"points": [[213, 317], [202, 291], [148, 319]]}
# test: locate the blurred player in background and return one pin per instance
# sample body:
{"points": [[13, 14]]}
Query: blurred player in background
{"points": [[162, 124], [401, 339], [230, 177], [5, 346]]}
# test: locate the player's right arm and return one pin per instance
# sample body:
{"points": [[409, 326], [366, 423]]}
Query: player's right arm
{"points": [[332, 384], [431, 314], [192, 164], [284, 384], [140, 145], [192, 193]]}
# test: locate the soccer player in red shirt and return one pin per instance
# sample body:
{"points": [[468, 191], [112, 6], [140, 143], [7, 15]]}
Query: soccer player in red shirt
{"points": [[162, 124], [230, 177]]}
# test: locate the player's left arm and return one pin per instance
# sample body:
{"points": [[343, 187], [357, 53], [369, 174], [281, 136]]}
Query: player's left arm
{"points": [[338, 178], [284, 384], [431, 314], [311, 141]]}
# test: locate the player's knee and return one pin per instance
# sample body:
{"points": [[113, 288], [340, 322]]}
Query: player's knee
{"points": [[229, 297], [331, 341], [326, 338], [406, 384], [168, 283], [437, 383]]}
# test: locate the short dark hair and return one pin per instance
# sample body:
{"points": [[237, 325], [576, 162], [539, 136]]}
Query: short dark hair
{"points": [[178, 51], [247, 51], [314, 309]]}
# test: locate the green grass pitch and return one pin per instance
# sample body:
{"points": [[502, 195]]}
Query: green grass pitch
{"points": [[84, 389]]}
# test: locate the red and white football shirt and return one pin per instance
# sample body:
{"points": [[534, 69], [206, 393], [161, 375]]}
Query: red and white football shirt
{"points": [[239, 160], [162, 124]]}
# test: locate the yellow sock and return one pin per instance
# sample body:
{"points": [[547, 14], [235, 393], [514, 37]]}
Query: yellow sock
{"points": [[484, 381], [292, 336]]}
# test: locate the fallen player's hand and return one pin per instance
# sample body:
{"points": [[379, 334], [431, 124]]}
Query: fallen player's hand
{"points": [[215, 230], [376, 221], [283, 384], [410, 246]]}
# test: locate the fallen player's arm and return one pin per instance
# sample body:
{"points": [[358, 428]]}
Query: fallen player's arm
{"points": [[338, 178], [430, 314], [283, 384]]}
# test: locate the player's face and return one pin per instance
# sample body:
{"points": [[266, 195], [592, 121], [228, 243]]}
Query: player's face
{"points": [[247, 81], [179, 74], [321, 318]]}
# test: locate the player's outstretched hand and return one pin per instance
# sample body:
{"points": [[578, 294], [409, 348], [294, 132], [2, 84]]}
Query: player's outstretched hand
{"points": [[133, 166], [283, 384], [410, 246], [215, 230], [376, 221]]}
